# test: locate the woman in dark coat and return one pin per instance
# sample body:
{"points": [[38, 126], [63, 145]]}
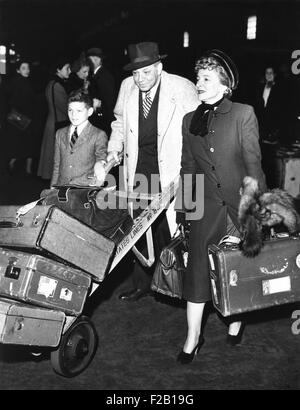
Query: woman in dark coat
{"points": [[57, 101], [220, 140], [21, 144]]}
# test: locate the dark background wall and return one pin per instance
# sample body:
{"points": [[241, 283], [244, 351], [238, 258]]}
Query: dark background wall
{"points": [[42, 29]]}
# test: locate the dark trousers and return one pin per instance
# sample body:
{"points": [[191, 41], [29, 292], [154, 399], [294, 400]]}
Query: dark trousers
{"points": [[268, 153], [142, 276]]}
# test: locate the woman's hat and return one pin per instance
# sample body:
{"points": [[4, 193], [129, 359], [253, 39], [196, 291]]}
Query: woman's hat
{"points": [[225, 61], [142, 55]]}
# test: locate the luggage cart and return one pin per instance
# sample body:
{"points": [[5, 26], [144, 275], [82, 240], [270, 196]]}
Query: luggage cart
{"points": [[79, 340]]}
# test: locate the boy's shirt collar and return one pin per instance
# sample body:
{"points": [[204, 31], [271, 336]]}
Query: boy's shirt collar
{"points": [[79, 128]]}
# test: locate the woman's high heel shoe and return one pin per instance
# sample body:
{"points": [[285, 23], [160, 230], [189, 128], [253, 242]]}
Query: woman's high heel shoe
{"points": [[186, 358], [233, 340]]}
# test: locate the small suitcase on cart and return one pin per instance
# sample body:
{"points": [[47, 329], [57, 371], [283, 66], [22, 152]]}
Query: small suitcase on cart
{"points": [[23, 324], [48, 228], [42, 281], [241, 284]]}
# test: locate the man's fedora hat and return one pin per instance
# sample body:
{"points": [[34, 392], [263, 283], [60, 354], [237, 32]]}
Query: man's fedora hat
{"points": [[94, 51], [226, 62], [142, 55]]}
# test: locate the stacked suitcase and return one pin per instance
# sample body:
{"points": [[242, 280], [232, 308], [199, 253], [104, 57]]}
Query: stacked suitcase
{"points": [[48, 260]]}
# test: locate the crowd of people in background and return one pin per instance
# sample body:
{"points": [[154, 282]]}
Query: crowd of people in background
{"points": [[275, 102], [30, 150]]}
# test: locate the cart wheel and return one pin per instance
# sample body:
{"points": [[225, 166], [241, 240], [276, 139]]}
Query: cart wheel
{"points": [[77, 348]]}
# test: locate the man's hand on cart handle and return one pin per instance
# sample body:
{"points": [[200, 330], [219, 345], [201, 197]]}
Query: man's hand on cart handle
{"points": [[102, 168], [114, 155]]}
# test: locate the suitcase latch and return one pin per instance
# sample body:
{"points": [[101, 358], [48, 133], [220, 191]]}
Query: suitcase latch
{"points": [[12, 271], [36, 220]]}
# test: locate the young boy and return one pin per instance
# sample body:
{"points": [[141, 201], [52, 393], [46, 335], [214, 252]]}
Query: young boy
{"points": [[80, 149]]}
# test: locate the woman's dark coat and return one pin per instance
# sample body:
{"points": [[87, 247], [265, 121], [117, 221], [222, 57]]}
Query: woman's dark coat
{"points": [[228, 153], [21, 97], [57, 101]]}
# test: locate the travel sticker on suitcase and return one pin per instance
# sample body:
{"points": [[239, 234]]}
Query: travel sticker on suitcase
{"points": [[42, 281]]}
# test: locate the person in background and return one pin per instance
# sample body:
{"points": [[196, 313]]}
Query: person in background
{"points": [[220, 141], [103, 91], [149, 112], [2, 103], [270, 114], [20, 144], [80, 146], [57, 101], [3, 113], [80, 70]]}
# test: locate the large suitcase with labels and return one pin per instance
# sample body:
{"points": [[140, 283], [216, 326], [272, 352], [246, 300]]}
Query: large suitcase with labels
{"points": [[49, 229], [42, 281], [240, 284], [22, 324]]}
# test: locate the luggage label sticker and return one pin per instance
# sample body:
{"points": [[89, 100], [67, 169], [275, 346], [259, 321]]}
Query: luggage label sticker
{"points": [[274, 269], [47, 286], [233, 277], [66, 294], [276, 285], [185, 258]]}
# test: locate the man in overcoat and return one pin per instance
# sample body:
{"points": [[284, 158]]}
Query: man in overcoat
{"points": [[149, 112]]}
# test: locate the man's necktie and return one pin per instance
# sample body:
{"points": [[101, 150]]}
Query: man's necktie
{"points": [[147, 104], [73, 138]]}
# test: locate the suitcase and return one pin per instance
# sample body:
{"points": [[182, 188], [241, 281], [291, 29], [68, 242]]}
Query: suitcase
{"points": [[110, 217], [42, 281], [48, 228], [288, 174], [240, 284], [22, 324]]}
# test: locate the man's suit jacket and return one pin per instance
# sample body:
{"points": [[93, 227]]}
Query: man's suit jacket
{"points": [[177, 97], [72, 166], [270, 117]]}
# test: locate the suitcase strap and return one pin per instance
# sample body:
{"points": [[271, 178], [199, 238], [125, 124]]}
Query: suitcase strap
{"points": [[26, 208], [21, 211]]}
